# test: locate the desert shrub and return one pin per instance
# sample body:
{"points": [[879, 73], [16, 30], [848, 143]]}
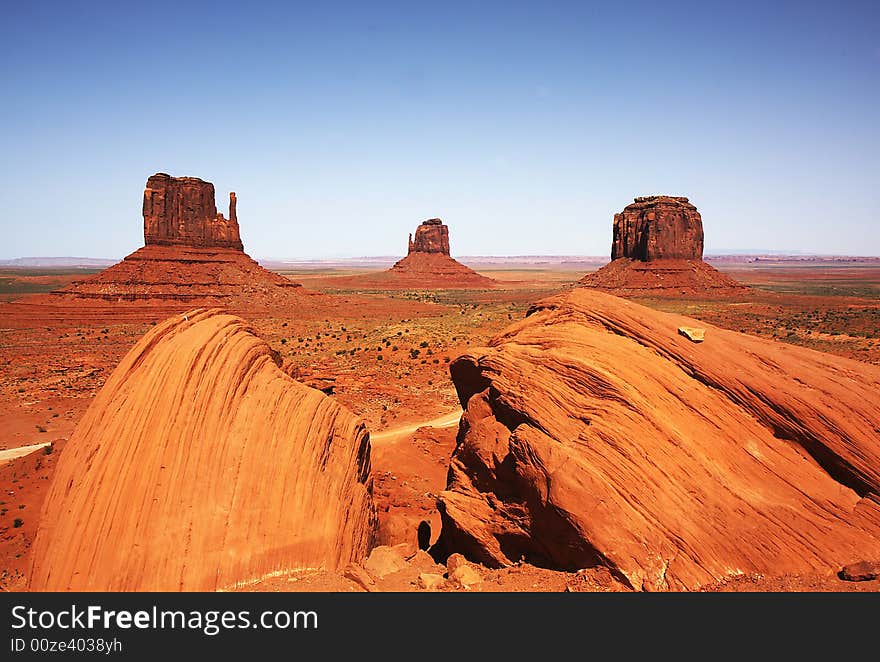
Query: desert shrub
{"points": [[17, 522]]}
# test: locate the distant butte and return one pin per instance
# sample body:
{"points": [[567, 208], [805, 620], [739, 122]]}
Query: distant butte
{"points": [[428, 263], [432, 236], [191, 253], [658, 248], [181, 211]]}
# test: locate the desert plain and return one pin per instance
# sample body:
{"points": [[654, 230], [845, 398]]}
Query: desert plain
{"points": [[384, 354]]}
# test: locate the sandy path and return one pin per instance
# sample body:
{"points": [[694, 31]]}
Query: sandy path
{"points": [[386, 436], [12, 453], [395, 434]]}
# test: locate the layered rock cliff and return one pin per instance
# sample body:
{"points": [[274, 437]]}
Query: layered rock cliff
{"points": [[192, 255], [657, 227], [181, 210], [657, 249], [429, 265], [201, 465], [432, 236], [595, 433]]}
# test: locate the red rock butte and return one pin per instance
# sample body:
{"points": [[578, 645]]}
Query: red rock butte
{"points": [[595, 434], [432, 236], [191, 253], [657, 248], [181, 211], [200, 465], [429, 264]]}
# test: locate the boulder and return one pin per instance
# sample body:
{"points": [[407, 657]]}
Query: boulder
{"points": [[431, 581], [181, 477], [384, 560], [356, 573], [454, 561], [594, 435], [692, 333], [863, 571], [465, 576]]}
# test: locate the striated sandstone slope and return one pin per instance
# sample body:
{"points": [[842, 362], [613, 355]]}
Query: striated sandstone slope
{"points": [[594, 433], [201, 465]]}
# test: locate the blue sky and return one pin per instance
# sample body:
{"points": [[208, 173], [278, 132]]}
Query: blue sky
{"points": [[524, 125]]}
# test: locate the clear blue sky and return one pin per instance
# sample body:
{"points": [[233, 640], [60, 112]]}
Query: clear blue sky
{"points": [[524, 125]]}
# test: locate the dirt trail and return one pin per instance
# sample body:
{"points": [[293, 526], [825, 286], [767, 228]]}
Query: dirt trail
{"points": [[386, 436], [396, 434], [12, 453]]}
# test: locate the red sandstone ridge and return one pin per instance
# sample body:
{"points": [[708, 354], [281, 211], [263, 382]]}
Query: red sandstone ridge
{"points": [[191, 254], [200, 465], [595, 434], [657, 248]]}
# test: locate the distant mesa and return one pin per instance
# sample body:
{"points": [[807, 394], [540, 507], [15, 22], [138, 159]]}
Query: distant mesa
{"points": [[432, 236], [181, 211], [594, 434], [200, 466], [657, 247], [428, 263], [191, 254]]}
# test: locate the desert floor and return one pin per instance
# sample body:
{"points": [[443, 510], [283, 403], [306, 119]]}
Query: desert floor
{"points": [[387, 361]]}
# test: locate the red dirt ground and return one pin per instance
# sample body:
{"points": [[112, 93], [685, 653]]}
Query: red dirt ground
{"points": [[55, 358]]}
